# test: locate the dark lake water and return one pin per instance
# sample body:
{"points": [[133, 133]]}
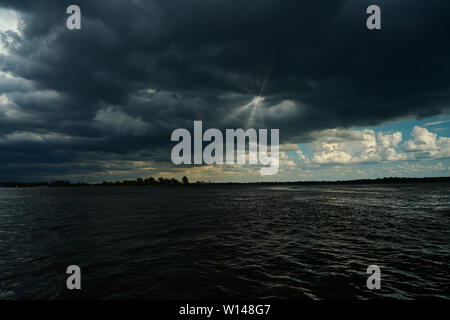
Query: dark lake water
{"points": [[289, 242]]}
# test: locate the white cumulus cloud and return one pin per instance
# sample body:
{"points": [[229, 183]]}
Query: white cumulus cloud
{"points": [[343, 146], [346, 146], [425, 144]]}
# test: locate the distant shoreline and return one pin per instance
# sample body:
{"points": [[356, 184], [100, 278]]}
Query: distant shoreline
{"points": [[161, 182]]}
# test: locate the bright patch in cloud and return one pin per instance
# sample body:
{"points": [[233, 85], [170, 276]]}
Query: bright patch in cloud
{"points": [[25, 136], [114, 119], [435, 123], [9, 25]]}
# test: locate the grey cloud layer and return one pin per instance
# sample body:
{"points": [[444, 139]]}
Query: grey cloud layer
{"points": [[139, 69]]}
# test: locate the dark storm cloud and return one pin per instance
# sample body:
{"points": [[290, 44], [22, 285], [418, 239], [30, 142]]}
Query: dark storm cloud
{"points": [[139, 69]]}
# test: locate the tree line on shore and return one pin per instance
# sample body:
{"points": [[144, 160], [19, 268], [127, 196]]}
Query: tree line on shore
{"points": [[136, 182], [163, 182]]}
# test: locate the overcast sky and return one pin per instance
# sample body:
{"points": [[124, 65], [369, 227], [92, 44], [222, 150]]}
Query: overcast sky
{"points": [[100, 103]]}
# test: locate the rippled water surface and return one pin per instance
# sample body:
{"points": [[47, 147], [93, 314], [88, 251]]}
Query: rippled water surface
{"points": [[226, 242]]}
